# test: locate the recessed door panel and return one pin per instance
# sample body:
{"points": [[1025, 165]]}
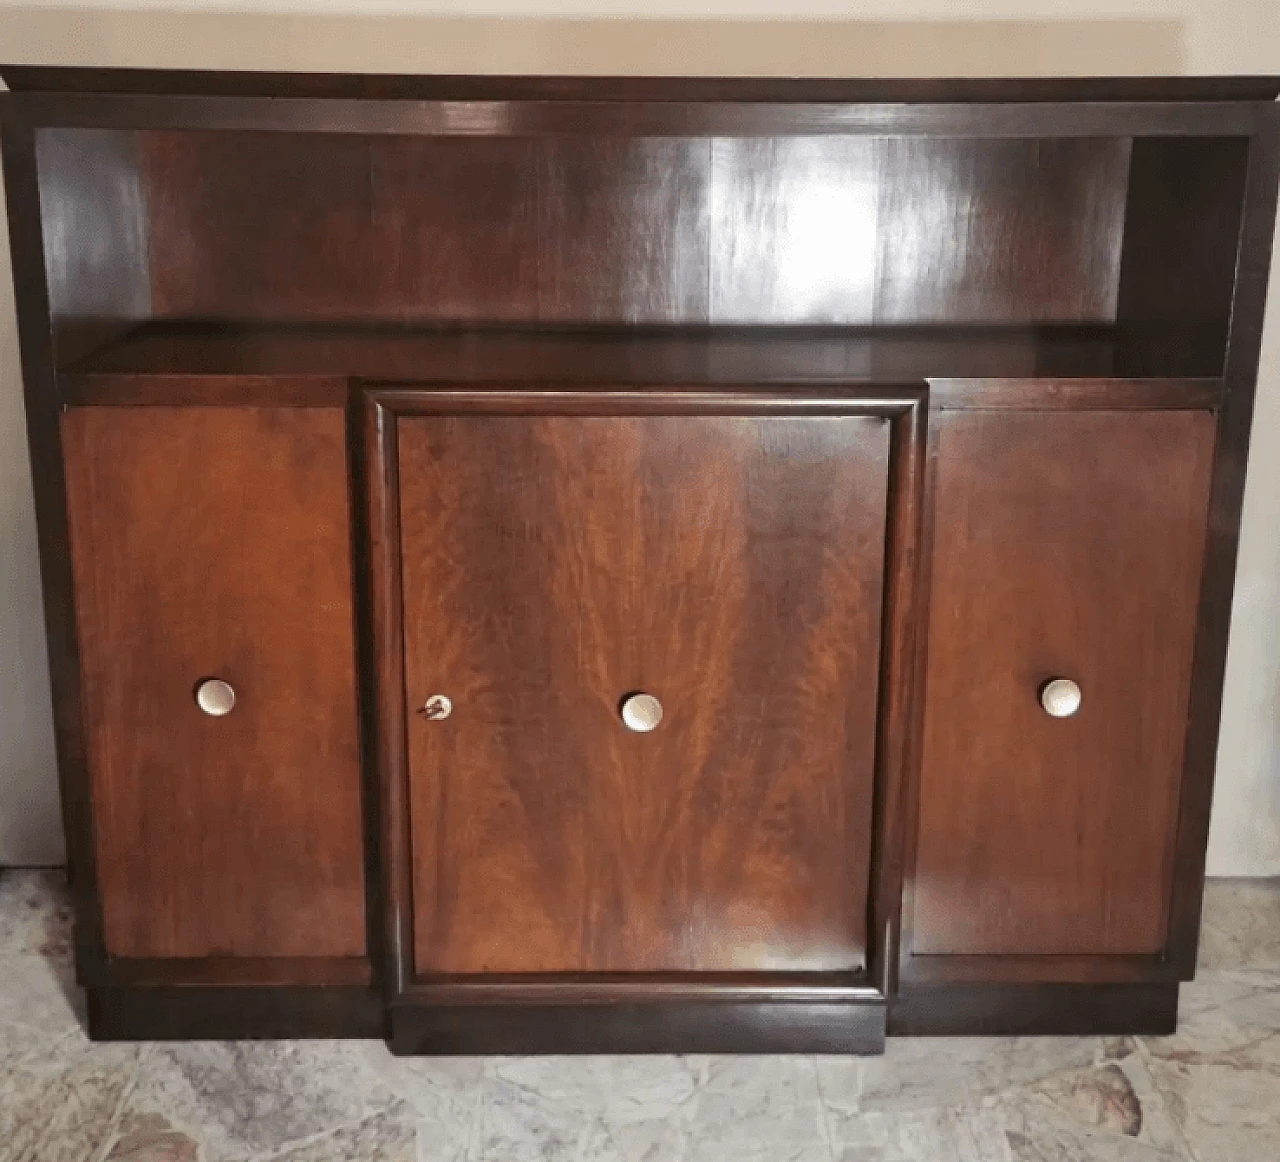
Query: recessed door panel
{"points": [[729, 568]]}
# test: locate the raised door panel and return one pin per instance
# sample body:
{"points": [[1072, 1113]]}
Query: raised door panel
{"points": [[731, 567], [214, 542], [1066, 545]]}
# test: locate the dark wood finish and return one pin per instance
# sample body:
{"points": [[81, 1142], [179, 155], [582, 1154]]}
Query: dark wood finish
{"points": [[1040, 258], [237, 836], [44, 442], [96, 237], [898, 679], [671, 1027], [454, 229], [1065, 545], [794, 229], [1100, 393], [278, 391], [594, 116], [389, 723], [947, 356], [1009, 232], [236, 970], [1024, 1010], [258, 225], [732, 566], [1179, 249], [1213, 617], [766, 230], [624, 231], [199, 1013], [390, 86], [595, 988]]}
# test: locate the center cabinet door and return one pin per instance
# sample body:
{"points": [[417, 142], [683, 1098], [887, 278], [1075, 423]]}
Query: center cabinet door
{"points": [[732, 568]]}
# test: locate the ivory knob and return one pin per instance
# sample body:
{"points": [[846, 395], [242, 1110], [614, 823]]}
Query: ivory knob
{"points": [[1060, 697]]}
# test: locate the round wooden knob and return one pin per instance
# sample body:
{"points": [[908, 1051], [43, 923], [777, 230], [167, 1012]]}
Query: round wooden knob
{"points": [[215, 697], [641, 713], [1060, 698]]}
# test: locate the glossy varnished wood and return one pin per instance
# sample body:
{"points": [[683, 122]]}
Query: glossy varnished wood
{"points": [[44, 439], [629, 1027], [624, 231], [591, 115], [1213, 616], [726, 253], [1180, 246], [1011, 232], [1065, 545], [193, 82], [214, 542], [270, 224], [1085, 359], [94, 212], [601, 229], [731, 566]]}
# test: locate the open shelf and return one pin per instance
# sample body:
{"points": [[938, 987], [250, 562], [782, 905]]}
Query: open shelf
{"points": [[941, 355]]}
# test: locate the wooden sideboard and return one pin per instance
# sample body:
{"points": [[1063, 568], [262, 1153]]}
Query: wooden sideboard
{"points": [[630, 564]]}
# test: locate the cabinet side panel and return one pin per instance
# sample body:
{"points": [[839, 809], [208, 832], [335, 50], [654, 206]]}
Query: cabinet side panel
{"points": [[213, 542], [1066, 545]]}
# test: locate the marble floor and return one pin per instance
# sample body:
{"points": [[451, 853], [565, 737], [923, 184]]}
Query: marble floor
{"points": [[1211, 1093]]}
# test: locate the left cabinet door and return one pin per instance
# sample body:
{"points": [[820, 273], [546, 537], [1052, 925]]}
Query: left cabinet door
{"points": [[213, 544]]}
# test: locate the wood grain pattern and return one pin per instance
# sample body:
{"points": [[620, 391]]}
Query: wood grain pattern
{"points": [[731, 566], [453, 230], [794, 229], [1065, 544], [623, 232], [1011, 232], [254, 226], [596, 229], [214, 542], [492, 238]]}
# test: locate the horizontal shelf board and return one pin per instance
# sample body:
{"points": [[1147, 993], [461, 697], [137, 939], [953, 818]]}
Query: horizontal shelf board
{"points": [[1049, 366]]}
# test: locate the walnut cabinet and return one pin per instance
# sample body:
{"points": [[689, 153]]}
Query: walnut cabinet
{"points": [[636, 565]]}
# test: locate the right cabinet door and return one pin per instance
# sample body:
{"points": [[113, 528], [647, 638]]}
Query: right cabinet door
{"points": [[1067, 545]]}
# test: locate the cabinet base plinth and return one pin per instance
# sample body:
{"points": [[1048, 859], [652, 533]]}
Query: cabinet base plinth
{"points": [[667, 1027], [194, 1013], [996, 1010], [259, 1013]]}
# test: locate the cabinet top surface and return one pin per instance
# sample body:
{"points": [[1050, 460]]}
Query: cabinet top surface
{"points": [[348, 86]]}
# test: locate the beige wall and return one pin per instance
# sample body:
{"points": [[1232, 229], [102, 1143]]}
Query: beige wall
{"points": [[820, 37]]}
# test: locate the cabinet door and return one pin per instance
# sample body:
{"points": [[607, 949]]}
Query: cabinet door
{"points": [[731, 568], [214, 543], [1066, 545]]}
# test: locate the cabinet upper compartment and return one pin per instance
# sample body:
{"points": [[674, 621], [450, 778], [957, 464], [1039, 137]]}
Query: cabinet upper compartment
{"points": [[1066, 213]]}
